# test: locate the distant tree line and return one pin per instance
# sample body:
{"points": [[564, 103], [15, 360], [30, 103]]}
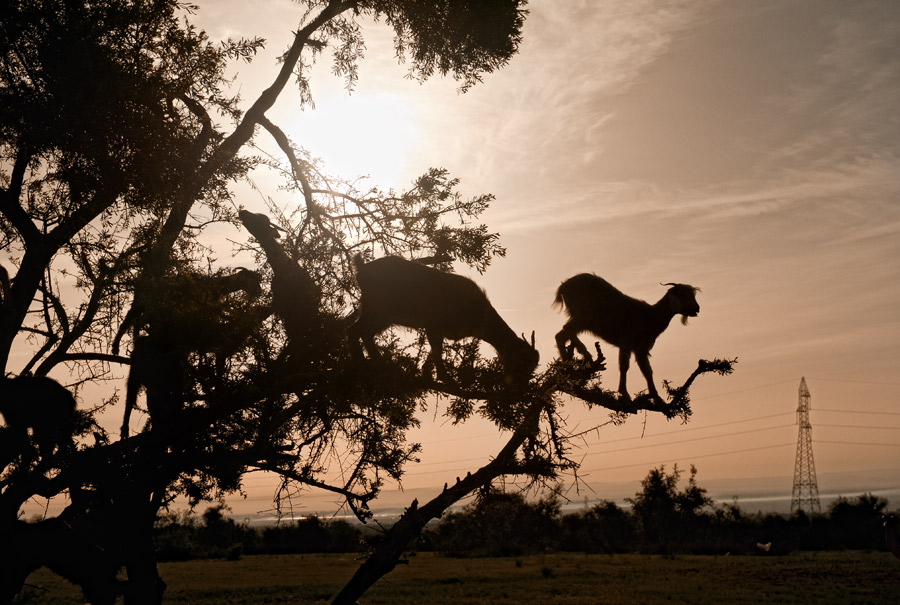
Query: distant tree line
{"points": [[661, 518], [184, 536]]}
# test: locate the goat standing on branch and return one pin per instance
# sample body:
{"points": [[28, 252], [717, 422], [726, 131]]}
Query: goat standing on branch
{"points": [[295, 296], [595, 306], [398, 292]]}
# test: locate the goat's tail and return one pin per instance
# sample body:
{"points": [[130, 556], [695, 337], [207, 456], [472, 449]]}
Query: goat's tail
{"points": [[559, 303]]}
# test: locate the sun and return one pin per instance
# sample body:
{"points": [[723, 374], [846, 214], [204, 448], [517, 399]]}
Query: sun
{"points": [[364, 134]]}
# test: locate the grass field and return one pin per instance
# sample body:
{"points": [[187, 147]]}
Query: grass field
{"points": [[809, 577]]}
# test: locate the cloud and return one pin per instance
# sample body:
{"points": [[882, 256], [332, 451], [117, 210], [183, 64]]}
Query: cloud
{"points": [[544, 113], [846, 101]]}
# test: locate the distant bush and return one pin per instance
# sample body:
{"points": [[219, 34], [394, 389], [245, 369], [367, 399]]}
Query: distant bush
{"points": [[662, 519], [857, 523], [671, 520], [311, 535], [180, 537], [605, 527], [498, 524]]}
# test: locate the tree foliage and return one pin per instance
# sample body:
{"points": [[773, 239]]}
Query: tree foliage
{"points": [[120, 139], [664, 512]]}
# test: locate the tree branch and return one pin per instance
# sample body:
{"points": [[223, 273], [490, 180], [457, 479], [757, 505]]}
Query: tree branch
{"points": [[389, 550], [678, 404]]}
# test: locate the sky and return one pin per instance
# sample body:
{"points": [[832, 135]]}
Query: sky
{"points": [[751, 149]]}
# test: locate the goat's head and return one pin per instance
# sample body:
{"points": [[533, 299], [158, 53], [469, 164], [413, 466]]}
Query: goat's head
{"points": [[522, 362], [683, 300], [258, 225]]}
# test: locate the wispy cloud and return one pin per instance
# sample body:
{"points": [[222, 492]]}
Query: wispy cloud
{"points": [[544, 113], [845, 104], [824, 132]]}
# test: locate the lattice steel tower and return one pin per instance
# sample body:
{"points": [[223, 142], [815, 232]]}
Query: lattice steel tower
{"points": [[805, 494]]}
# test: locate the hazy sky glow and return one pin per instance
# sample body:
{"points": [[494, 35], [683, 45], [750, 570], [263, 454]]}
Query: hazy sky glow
{"points": [[751, 149]]}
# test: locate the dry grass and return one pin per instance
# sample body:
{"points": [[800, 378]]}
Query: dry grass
{"points": [[826, 577]]}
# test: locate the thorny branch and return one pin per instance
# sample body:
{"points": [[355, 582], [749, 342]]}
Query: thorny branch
{"points": [[678, 404]]}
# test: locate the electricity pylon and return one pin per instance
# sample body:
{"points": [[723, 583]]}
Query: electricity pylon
{"points": [[805, 495]]}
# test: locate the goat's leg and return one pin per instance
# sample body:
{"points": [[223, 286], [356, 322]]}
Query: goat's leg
{"points": [[362, 331], [562, 343], [643, 361], [624, 362], [131, 392], [566, 340], [436, 356]]}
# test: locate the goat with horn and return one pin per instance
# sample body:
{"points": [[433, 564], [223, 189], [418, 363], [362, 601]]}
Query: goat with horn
{"points": [[633, 325], [398, 292]]}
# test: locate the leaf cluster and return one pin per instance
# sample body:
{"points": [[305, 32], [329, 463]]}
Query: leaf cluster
{"points": [[465, 38]]}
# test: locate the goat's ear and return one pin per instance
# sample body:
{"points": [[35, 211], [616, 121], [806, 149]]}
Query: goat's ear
{"points": [[675, 302]]}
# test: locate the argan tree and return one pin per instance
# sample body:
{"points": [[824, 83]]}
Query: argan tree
{"points": [[120, 139]]}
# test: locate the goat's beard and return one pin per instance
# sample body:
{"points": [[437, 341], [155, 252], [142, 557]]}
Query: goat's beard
{"points": [[684, 320]]}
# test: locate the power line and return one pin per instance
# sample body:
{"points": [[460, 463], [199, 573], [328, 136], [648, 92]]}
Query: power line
{"points": [[752, 449], [421, 464], [736, 433], [614, 451], [856, 412], [858, 443], [756, 388], [680, 431], [451, 461], [883, 384], [753, 388], [853, 426], [695, 428], [640, 447]]}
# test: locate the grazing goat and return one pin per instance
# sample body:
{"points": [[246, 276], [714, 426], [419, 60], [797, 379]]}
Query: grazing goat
{"points": [[41, 404], [595, 306], [395, 291]]}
